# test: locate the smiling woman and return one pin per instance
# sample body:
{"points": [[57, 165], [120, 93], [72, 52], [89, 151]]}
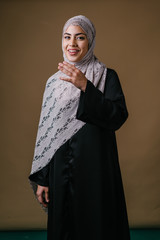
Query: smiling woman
{"points": [[75, 172], [75, 43]]}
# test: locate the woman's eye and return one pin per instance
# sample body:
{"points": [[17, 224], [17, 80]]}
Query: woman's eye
{"points": [[77, 38], [80, 38], [66, 37]]}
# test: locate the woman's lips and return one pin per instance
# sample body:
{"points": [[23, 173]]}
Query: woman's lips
{"points": [[73, 51]]}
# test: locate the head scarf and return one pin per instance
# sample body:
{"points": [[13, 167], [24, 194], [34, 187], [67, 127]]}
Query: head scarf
{"points": [[58, 121], [94, 70]]}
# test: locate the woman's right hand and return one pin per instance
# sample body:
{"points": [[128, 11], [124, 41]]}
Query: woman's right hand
{"points": [[43, 195]]}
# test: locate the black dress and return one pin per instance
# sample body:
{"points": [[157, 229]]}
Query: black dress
{"points": [[85, 187]]}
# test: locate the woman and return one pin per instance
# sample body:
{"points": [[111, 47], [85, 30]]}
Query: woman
{"points": [[75, 171]]}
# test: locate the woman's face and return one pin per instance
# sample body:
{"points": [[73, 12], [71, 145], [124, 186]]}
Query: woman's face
{"points": [[75, 43]]}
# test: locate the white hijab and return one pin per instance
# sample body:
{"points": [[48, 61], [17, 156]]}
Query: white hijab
{"points": [[58, 121]]}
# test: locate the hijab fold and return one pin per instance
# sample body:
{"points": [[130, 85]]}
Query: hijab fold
{"points": [[58, 121]]}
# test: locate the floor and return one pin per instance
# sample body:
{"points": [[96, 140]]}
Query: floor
{"points": [[136, 234]]}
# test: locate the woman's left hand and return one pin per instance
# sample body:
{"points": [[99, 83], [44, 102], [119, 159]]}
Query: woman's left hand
{"points": [[76, 77]]}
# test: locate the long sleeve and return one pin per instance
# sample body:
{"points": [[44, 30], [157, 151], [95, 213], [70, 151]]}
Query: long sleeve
{"points": [[107, 110], [41, 177]]}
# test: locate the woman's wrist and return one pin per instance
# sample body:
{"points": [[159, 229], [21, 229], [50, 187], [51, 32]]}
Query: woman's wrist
{"points": [[83, 88]]}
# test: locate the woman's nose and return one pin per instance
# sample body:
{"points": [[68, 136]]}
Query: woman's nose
{"points": [[73, 42]]}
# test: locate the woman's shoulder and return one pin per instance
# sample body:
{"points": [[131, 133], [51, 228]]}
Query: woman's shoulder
{"points": [[112, 81], [111, 73], [112, 76], [54, 76], [52, 79]]}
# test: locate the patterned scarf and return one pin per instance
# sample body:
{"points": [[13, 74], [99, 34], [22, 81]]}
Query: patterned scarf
{"points": [[58, 121]]}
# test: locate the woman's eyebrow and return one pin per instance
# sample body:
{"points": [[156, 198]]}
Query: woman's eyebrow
{"points": [[75, 34]]}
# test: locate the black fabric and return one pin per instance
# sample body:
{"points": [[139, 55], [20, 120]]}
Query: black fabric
{"points": [[85, 186], [41, 177]]}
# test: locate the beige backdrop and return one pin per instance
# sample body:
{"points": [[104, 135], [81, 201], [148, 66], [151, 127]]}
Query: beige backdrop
{"points": [[128, 40]]}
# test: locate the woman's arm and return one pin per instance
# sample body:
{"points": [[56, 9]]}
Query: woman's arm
{"points": [[106, 110], [41, 178]]}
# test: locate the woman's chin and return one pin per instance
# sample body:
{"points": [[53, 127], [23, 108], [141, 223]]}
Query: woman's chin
{"points": [[73, 58]]}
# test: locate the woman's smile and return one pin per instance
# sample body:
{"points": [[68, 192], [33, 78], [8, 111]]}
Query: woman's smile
{"points": [[73, 52], [75, 43]]}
